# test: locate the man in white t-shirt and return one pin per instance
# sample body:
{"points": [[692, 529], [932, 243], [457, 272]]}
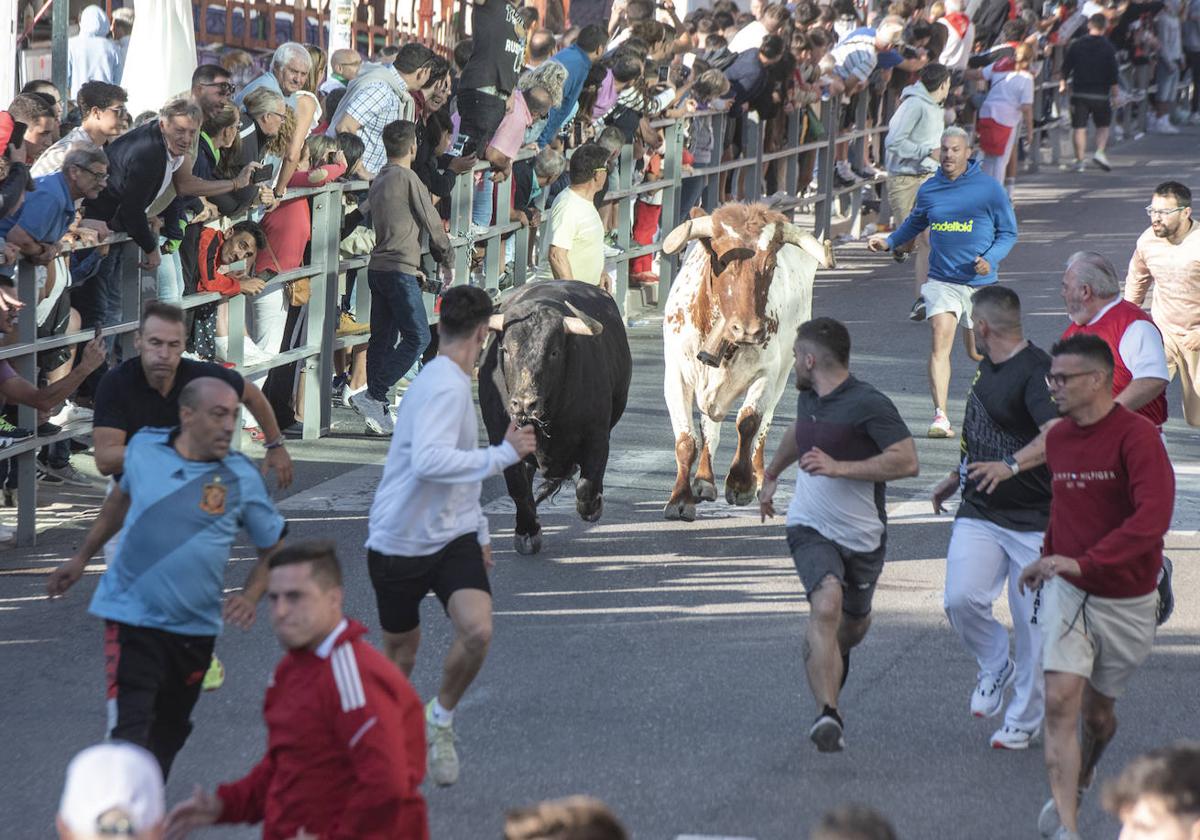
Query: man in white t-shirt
{"points": [[750, 36], [576, 232], [426, 530]]}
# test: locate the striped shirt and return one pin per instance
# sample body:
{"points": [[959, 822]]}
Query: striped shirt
{"points": [[854, 55]]}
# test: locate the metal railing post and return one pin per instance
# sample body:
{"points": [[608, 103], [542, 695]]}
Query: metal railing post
{"points": [[26, 367], [320, 326], [791, 164], [624, 227], [825, 159], [753, 137], [712, 190], [673, 185]]}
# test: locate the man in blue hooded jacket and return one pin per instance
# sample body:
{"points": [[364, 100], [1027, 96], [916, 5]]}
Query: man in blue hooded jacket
{"points": [[972, 228]]}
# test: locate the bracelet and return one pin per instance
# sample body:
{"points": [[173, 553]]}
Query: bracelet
{"points": [[275, 444]]}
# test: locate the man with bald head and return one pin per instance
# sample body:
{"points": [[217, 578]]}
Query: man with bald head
{"points": [[343, 69], [181, 500]]}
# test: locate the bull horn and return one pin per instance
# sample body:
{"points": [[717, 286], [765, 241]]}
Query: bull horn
{"points": [[496, 322], [579, 324], [806, 242], [698, 228]]}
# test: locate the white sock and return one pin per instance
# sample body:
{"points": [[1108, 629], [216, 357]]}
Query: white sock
{"points": [[439, 716]]}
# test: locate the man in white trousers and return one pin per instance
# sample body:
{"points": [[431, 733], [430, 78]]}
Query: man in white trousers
{"points": [[1005, 507]]}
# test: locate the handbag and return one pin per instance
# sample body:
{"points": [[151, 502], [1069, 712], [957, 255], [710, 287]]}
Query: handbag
{"points": [[814, 129]]}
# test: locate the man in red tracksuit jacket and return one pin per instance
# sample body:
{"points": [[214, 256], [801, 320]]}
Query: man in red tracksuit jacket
{"points": [[1113, 495], [345, 730]]}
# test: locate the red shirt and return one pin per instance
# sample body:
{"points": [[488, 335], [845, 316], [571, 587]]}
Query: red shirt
{"points": [[211, 277], [345, 749], [289, 226], [1111, 327], [1114, 491]]}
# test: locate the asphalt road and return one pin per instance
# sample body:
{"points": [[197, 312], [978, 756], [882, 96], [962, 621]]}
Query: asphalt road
{"points": [[656, 664]]}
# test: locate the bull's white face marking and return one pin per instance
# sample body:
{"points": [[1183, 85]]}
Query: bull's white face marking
{"points": [[764, 238], [728, 230]]}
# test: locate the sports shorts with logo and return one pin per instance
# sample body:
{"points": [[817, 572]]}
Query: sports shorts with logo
{"points": [[817, 557]]}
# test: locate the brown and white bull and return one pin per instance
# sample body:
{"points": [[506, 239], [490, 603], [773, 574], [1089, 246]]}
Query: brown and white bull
{"points": [[728, 329]]}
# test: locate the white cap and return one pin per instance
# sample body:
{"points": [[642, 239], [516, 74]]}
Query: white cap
{"points": [[112, 786]]}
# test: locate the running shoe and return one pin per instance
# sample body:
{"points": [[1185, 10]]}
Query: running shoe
{"points": [[375, 412], [1101, 160], [1166, 597], [348, 394], [1012, 738], [1194, 118], [940, 427], [48, 479], [443, 757], [828, 731], [1065, 833], [988, 697], [214, 677], [68, 474], [48, 429], [1048, 821], [1079, 166], [917, 313], [843, 174], [10, 434], [70, 413]]}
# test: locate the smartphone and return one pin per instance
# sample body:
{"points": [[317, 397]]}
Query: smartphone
{"points": [[263, 174], [460, 145], [663, 71], [17, 138]]}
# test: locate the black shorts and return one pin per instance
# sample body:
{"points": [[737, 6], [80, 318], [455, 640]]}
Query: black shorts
{"points": [[1100, 110], [480, 114], [816, 557], [401, 583]]}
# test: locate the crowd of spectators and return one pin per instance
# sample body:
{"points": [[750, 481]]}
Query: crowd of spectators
{"points": [[549, 107]]}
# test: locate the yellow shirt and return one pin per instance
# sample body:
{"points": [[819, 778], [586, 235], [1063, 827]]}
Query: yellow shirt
{"points": [[575, 227]]}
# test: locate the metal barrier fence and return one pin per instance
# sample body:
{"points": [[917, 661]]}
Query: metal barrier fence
{"points": [[826, 207]]}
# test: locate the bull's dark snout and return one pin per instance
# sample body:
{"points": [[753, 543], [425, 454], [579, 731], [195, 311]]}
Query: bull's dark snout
{"points": [[523, 406]]}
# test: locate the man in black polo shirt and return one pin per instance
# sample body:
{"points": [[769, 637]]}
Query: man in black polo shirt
{"points": [[1004, 511], [144, 392], [849, 440]]}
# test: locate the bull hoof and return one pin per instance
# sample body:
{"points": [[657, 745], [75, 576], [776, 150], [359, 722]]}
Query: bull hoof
{"points": [[704, 490], [590, 510], [685, 511], [739, 497], [527, 543]]}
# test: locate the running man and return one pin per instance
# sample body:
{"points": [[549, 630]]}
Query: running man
{"points": [[972, 228], [836, 522], [426, 529], [182, 498], [1005, 507], [1113, 494]]}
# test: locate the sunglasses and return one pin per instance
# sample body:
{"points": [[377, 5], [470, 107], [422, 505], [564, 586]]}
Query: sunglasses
{"points": [[224, 87]]}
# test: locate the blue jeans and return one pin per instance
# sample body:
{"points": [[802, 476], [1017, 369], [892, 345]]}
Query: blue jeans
{"points": [[399, 329], [169, 277], [691, 190]]}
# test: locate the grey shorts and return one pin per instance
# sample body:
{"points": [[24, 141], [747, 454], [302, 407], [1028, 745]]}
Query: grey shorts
{"points": [[817, 557]]}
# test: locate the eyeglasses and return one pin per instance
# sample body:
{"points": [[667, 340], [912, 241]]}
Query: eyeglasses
{"points": [[224, 87], [99, 176], [119, 110], [1162, 214], [274, 114], [1058, 380]]}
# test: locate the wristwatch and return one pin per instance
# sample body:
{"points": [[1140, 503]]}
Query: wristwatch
{"points": [[1011, 462], [275, 444]]}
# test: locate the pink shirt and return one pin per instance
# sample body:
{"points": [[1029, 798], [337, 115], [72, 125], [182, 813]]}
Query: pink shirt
{"points": [[510, 136]]}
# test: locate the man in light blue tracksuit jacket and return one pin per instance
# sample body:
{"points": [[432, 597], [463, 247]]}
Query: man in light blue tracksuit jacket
{"points": [[972, 228]]}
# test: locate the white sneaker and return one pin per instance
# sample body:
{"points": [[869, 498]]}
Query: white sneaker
{"points": [[940, 427], [375, 413], [1162, 125], [442, 763], [71, 413], [1101, 160], [1194, 118], [1011, 738], [611, 252], [1065, 833], [988, 697], [1117, 133], [1048, 821], [7, 534]]}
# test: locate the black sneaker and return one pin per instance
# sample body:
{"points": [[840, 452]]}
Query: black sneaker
{"points": [[10, 434], [917, 313], [48, 429], [49, 479], [827, 731], [900, 256], [1166, 598]]}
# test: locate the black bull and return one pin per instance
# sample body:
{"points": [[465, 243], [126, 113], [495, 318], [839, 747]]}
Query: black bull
{"points": [[561, 362]]}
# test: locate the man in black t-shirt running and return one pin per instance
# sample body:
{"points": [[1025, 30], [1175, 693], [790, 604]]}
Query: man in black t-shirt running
{"points": [[849, 440], [1005, 508]]}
